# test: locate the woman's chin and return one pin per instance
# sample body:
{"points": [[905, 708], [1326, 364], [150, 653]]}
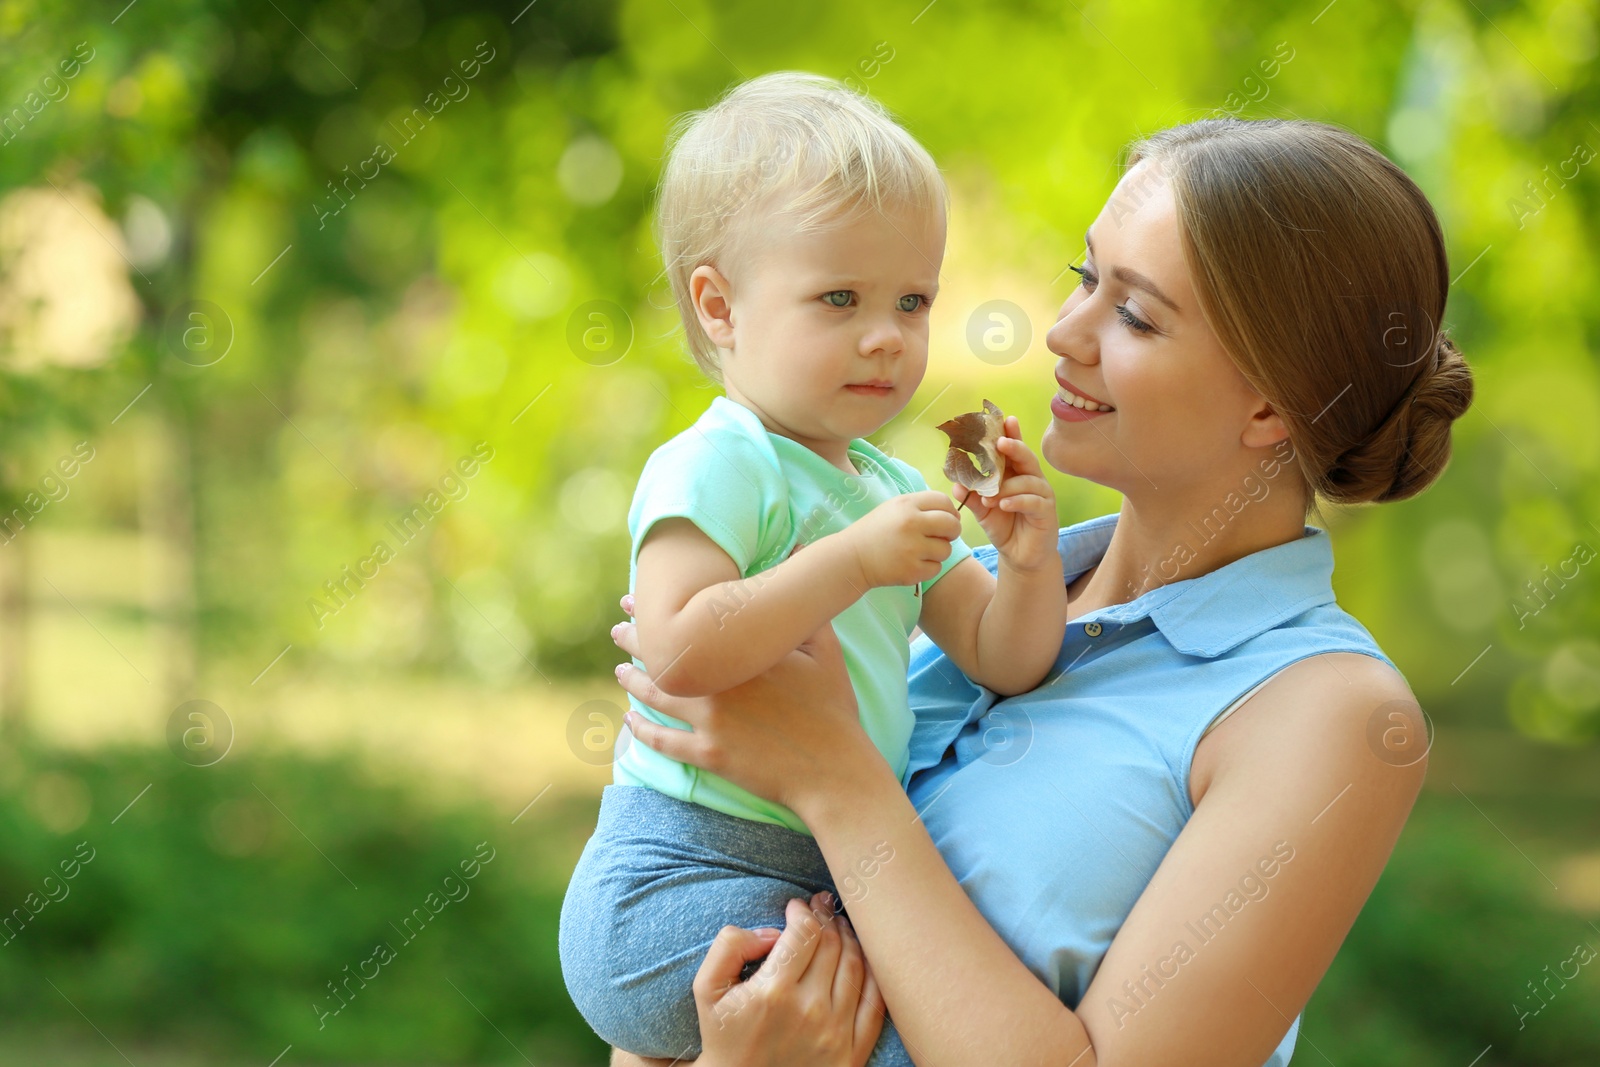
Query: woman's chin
{"points": [[1063, 453], [1079, 459]]}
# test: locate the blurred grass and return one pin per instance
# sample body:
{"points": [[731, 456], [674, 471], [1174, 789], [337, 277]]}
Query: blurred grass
{"points": [[221, 902]]}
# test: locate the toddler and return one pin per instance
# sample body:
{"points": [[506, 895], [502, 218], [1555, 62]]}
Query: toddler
{"points": [[803, 232]]}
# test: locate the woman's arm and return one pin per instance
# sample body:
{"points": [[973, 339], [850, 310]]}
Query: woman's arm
{"points": [[956, 991], [1298, 811]]}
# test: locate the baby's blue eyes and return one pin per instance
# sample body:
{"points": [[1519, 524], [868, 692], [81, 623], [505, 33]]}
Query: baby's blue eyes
{"points": [[843, 298]]}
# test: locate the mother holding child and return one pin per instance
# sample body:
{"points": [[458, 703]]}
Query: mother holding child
{"points": [[1124, 797]]}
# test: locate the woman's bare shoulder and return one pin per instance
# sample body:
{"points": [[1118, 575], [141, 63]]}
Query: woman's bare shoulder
{"points": [[1340, 707]]}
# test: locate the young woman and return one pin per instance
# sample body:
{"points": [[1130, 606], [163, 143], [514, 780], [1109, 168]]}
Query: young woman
{"points": [[1154, 856]]}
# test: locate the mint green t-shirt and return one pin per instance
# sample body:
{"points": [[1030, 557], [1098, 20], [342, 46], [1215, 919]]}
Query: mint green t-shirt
{"points": [[758, 495]]}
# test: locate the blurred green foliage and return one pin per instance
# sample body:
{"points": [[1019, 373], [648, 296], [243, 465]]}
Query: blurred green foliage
{"points": [[219, 908], [374, 345], [365, 351]]}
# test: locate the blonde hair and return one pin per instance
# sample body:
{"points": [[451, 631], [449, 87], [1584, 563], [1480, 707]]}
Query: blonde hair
{"points": [[1321, 267], [794, 143]]}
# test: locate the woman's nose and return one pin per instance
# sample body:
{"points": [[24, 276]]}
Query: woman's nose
{"points": [[1071, 336]]}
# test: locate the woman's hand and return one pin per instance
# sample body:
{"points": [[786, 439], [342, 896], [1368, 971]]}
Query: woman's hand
{"points": [[790, 732], [1020, 519], [813, 1003]]}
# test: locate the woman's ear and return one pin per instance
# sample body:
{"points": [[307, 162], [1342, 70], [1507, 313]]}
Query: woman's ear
{"points": [[713, 304], [1265, 427]]}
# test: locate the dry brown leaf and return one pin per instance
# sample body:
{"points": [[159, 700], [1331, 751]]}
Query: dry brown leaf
{"points": [[973, 437]]}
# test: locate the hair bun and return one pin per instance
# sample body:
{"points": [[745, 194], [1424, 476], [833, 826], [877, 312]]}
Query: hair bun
{"points": [[1411, 447]]}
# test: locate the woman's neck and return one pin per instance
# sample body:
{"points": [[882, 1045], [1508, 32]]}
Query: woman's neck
{"points": [[1153, 547]]}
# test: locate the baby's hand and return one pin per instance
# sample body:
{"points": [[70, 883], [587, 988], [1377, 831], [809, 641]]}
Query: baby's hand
{"points": [[903, 541], [1020, 519]]}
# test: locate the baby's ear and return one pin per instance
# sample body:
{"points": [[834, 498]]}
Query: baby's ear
{"points": [[713, 304]]}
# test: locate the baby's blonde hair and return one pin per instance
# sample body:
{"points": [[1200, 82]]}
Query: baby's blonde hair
{"points": [[787, 142]]}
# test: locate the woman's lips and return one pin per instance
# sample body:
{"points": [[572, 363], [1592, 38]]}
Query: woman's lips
{"points": [[1063, 407]]}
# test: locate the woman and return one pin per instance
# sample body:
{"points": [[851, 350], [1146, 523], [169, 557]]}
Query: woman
{"points": [[1153, 857]]}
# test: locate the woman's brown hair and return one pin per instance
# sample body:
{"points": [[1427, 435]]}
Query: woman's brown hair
{"points": [[1321, 267]]}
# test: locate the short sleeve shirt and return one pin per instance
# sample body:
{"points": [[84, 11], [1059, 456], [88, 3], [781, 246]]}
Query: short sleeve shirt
{"points": [[759, 496]]}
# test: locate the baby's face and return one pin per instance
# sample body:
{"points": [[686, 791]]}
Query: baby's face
{"points": [[830, 327]]}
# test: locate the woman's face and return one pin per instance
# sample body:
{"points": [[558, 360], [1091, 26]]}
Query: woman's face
{"points": [[1184, 422]]}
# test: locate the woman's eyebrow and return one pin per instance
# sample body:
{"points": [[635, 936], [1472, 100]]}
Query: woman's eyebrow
{"points": [[1129, 276]]}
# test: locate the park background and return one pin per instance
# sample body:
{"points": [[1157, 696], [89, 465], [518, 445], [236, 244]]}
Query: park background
{"points": [[274, 277]]}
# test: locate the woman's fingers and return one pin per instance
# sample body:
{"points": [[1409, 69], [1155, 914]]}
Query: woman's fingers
{"points": [[824, 966], [852, 970], [625, 635], [796, 946], [683, 745], [637, 681], [718, 993], [868, 1020], [730, 950]]}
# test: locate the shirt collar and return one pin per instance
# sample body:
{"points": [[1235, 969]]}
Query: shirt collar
{"points": [[1216, 612]]}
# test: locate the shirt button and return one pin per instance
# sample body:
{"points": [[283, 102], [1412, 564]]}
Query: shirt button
{"points": [[1092, 629]]}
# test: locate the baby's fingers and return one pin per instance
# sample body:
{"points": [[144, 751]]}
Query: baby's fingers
{"points": [[1026, 483], [1020, 459], [974, 503], [1029, 504]]}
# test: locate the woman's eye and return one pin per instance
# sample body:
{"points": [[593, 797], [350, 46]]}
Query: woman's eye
{"points": [[839, 298], [1133, 322], [912, 302]]}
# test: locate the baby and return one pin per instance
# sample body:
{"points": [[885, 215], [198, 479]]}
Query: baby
{"points": [[803, 232]]}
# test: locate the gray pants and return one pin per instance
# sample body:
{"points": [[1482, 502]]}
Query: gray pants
{"points": [[655, 883]]}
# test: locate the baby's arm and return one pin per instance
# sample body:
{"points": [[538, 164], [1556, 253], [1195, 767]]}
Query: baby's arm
{"points": [[703, 629], [1004, 631], [1004, 635]]}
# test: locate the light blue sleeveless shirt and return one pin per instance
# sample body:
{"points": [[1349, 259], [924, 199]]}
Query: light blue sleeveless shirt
{"points": [[1054, 808]]}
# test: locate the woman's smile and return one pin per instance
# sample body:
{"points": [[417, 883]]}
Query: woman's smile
{"points": [[1074, 405]]}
